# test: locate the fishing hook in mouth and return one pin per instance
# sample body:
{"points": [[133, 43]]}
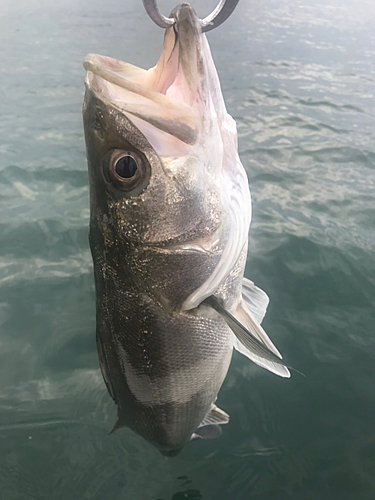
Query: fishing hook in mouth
{"points": [[212, 21]]}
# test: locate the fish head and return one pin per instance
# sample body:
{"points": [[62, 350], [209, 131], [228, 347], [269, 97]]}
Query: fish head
{"points": [[162, 155]]}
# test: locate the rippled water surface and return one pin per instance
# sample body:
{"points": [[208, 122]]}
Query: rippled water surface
{"points": [[298, 76]]}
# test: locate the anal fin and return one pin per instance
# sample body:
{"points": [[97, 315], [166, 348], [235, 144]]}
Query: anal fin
{"points": [[215, 416], [209, 428]]}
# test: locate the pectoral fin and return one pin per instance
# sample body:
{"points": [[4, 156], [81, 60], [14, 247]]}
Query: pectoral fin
{"points": [[251, 339], [255, 299]]}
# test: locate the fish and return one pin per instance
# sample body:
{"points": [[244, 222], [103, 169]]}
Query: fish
{"points": [[170, 211]]}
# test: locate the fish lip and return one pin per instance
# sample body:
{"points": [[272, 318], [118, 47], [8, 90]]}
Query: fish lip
{"points": [[184, 132], [204, 244], [166, 113]]}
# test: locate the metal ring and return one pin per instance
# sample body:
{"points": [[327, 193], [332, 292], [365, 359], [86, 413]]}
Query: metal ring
{"points": [[212, 21], [218, 15], [155, 14]]}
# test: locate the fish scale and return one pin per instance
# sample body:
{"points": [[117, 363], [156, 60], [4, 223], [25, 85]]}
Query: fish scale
{"points": [[166, 368], [168, 236]]}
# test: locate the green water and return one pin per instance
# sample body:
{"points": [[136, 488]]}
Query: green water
{"points": [[298, 77]]}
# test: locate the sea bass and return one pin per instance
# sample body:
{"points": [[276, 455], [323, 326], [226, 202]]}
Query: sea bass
{"points": [[170, 215]]}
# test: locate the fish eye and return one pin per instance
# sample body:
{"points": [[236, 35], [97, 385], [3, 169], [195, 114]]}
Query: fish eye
{"points": [[126, 167], [127, 171]]}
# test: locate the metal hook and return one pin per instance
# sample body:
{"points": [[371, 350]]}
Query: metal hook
{"points": [[217, 16]]}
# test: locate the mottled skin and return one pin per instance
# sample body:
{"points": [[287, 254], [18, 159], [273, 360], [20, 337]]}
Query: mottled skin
{"points": [[152, 248], [162, 367]]}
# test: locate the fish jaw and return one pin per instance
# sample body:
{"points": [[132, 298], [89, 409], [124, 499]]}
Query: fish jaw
{"points": [[178, 102], [167, 98]]}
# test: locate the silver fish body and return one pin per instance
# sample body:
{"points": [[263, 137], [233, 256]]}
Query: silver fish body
{"points": [[170, 213]]}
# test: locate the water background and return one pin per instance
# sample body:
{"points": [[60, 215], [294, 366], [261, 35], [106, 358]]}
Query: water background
{"points": [[298, 77]]}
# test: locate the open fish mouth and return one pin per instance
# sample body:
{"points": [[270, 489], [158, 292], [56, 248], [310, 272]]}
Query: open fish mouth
{"points": [[169, 97]]}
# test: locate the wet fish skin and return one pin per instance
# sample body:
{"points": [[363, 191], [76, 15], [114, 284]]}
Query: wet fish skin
{"points": [[129, 224], [163, 368], [161, 375], [165, 244]]}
